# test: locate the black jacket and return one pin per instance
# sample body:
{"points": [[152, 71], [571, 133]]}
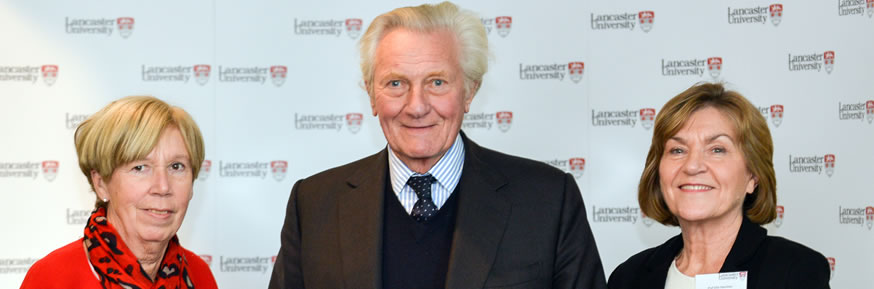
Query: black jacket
{"points": [[772, 263], [519, 224]]}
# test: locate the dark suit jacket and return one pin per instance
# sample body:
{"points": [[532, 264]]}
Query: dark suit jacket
{"points": [[771, 262], [519, 224]]}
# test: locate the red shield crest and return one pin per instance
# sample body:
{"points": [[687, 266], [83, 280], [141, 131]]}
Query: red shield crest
{"points": [[779, 220], [828, 59], [207, 259], [353, 27], [577, 166], [647, 117], [50, 170], [49, 74], [201, 73], [777, 114], [646, 220], [279, 168], [575, 69], [125, 26], [829, 160], [870, 8], [714, 65], [646, 18], [277, 74], [776, 13], [205, 167], [504, 119], [831, 265], [353, 121], [503, 25]]}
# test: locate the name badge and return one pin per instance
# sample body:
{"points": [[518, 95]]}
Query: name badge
{"points": [[730, 280]]}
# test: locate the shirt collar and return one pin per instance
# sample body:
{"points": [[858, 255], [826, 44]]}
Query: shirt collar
{"points": [[447, 170]]}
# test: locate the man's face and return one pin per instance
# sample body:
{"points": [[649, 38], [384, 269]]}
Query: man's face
{"points": [[418, 94]]}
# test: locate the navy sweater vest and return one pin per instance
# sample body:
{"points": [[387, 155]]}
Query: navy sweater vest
{"points": [[416, 255]]}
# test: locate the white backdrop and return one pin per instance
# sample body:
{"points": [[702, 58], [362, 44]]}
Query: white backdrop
{"points": [[63, 60]]}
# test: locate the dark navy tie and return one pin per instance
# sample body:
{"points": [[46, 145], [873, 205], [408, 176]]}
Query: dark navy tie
{"points": [[424, 209]]}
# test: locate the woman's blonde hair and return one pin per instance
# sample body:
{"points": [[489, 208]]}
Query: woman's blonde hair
{"points": [[127, 130]]}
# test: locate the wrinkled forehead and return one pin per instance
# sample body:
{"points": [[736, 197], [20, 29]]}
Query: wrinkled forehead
{"points": [[417, 48]]}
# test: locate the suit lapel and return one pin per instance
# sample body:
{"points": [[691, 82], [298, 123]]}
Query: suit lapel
{"points": [[360, 214], [482, 218], [659, 263], [749, 237]]}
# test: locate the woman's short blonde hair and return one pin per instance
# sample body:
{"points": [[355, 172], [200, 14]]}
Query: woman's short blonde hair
{"points": [[753, 137], [127, 130], [465, 25]]}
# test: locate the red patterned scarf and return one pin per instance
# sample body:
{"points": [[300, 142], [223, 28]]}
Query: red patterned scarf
{"points": [[119, 268]]}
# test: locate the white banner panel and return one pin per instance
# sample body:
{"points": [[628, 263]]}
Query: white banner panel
{"points": [[276, 89]]}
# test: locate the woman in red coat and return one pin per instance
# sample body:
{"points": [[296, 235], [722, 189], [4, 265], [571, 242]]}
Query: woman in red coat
{"points": [[141, 157]]}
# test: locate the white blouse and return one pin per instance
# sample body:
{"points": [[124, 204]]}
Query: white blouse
{"points": [[677, 280]]}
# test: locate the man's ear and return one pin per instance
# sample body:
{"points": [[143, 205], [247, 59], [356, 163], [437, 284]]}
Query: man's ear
{"points": [[368, 86], [471, 92]]}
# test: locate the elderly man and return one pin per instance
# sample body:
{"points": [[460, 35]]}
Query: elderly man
{"points": [[434, 209]]}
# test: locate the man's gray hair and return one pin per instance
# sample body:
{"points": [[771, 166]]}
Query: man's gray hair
{"points": [[465, 25]]}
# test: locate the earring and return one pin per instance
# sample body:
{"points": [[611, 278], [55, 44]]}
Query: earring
{"points": [[106, 200]]}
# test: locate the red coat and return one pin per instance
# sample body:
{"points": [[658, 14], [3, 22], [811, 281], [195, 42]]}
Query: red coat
{"points": [[68, 267]]}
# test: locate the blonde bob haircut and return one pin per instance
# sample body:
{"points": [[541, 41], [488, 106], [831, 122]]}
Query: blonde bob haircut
{"points": [[753, 138], [465, 25], [127, 130]]}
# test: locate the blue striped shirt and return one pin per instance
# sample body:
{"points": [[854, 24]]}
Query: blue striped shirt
{"points": [[447, 171]]}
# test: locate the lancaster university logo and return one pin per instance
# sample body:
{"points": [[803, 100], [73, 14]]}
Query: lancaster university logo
{"points": [[201, 73], [869, 107], [776, 13], [779, 220], [503, 25], [829, 164], [647, 117], [828, 59], [49, 74], [646, 18], [50, 170], [777, 114], [870, 8], [831, 265], [279, 169], [577, 166], [504, 119], [576, 71], [714, 65], [205, 167], [125, 26], [207, 259], [646, 220], [353, 121], [353, 27], [278, 74]]}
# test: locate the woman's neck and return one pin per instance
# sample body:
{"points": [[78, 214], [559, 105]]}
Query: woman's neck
{"points": [[150, 256], [148, 253], [707, 244]]}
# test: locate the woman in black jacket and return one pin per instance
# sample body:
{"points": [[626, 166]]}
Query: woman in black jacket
{"points": [[710, 171]]}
